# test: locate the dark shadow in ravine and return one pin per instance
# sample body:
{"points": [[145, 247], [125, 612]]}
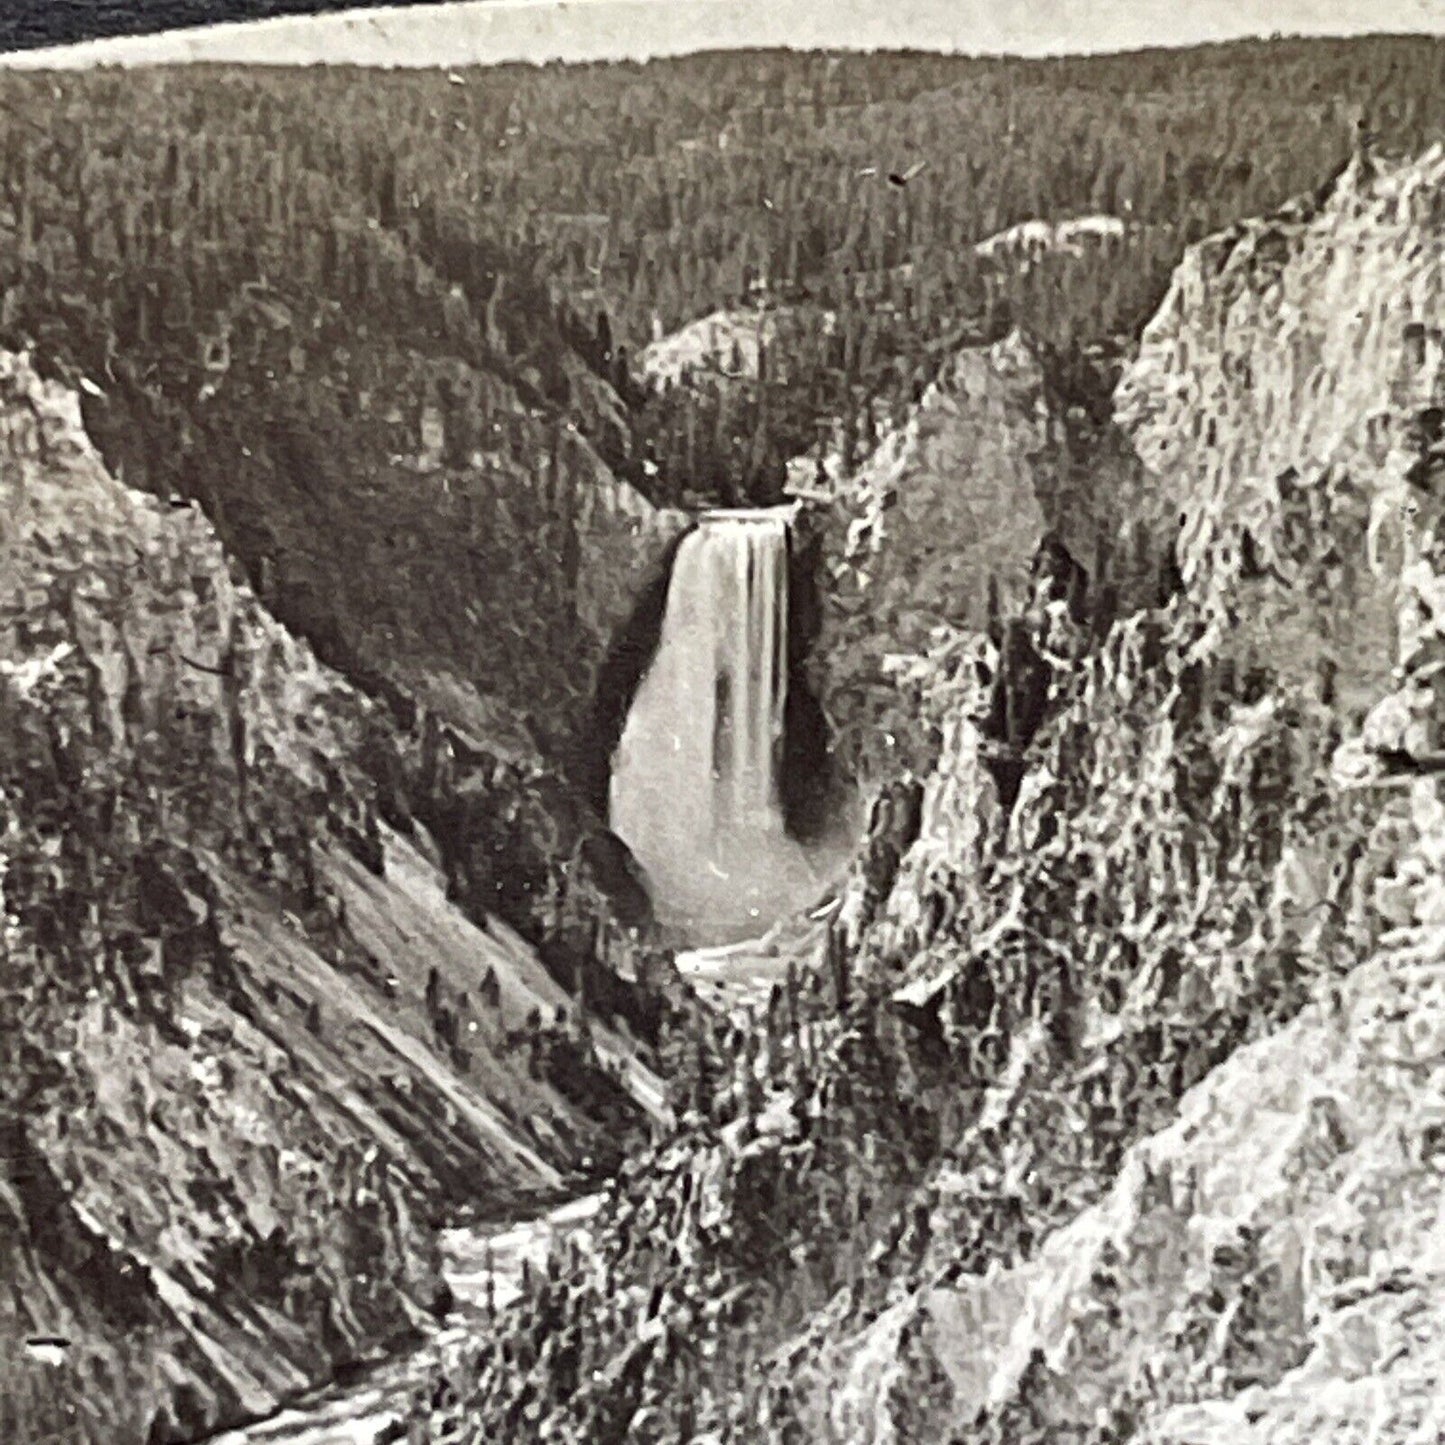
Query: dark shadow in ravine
{"points": [[628, 657], [813, 792]]}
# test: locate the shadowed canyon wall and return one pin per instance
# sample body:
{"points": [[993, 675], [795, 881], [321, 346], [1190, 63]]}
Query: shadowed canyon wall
{"points": [[236, 1096]]}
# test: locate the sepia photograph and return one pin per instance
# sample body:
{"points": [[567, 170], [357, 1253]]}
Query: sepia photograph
{"points": [[722, 722]]}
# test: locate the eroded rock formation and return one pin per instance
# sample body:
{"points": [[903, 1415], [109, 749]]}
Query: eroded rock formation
{"points": [[236, 1096], [1265, 1264]]}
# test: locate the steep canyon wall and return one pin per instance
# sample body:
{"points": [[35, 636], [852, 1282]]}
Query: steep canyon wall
{"points": [[1232, 806], [237, 1096]]}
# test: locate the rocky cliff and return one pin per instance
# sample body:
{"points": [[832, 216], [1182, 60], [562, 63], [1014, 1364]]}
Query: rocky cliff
{"points": [[257, 1042], [480, 567], [1234, 811], [943, 531], [944, 512]]}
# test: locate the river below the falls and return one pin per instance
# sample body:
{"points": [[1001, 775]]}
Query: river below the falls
{"points": [[372, 1409]]}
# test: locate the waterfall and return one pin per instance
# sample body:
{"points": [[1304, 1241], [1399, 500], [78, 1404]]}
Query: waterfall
{"points": [[695, 784]]}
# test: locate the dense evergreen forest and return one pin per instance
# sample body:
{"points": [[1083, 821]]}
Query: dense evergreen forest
{"points": [[425, 293], [184, 227]]}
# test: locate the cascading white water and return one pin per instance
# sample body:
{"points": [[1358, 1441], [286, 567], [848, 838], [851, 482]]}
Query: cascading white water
{"points": [[695, 782]]}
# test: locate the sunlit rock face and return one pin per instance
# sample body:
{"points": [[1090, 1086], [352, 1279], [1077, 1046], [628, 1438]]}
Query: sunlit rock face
{"points": [[1291, 380], [944, 510], [1267, 1269], [730, 343], [929, 548], [1266, 1265]]}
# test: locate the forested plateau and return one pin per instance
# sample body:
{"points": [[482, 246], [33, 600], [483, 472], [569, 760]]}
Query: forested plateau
{"points": [[350, 420]]}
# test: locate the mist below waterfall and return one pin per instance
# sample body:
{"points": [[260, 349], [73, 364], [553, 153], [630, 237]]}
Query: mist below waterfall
{"points": [[696, 788]]}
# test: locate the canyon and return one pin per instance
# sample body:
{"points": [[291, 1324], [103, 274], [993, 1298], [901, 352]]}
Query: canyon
{"points": [[500, 947]]}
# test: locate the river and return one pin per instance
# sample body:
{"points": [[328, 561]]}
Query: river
{"points": [[364, 1411], [368, 1410]]}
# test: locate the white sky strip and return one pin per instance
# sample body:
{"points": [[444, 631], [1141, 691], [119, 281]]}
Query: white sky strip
{"points": [[493, 31]]}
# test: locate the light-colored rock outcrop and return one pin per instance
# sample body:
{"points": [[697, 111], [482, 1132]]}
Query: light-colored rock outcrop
{"points": [[1074, 237], [1288, 382], [944, 511], [727, 343], [1269, 1265]]}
